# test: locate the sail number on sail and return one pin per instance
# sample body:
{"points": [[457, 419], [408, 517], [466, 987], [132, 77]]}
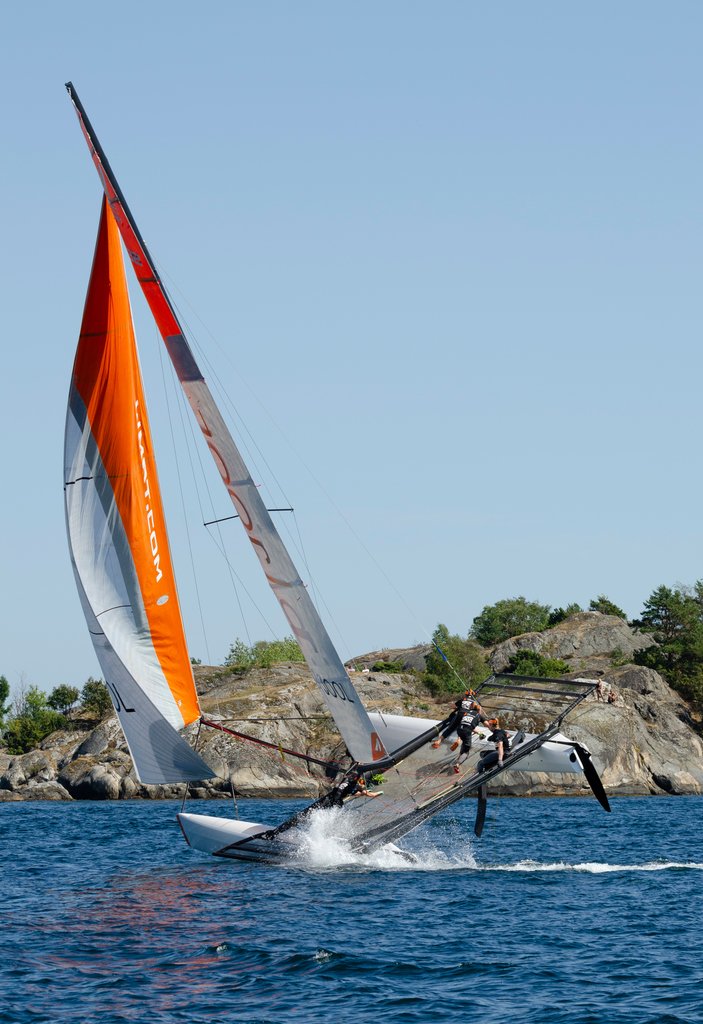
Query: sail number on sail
{"points": [[335, 689]]}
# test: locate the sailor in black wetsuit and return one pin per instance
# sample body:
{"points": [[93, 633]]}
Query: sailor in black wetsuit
{"points": [[502, 741], [471, 715], [361, 789], [454, 720], [350, 786]]}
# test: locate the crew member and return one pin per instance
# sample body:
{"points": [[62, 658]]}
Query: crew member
{"points": [[349, 787], [471, 715], [454, 720], [502, 741], [361, 789]]}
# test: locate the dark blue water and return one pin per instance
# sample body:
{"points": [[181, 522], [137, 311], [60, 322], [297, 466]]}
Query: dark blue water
{"points": [[560, 913]]}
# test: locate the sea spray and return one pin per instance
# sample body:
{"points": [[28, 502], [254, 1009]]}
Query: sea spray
{"points": [[327, 843]]}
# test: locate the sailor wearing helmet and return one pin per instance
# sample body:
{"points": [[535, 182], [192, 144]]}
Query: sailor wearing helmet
{"points": [[452, 723], [471, 715], [465, 706]]}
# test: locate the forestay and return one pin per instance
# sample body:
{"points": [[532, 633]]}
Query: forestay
{"points": [[117, 532], [322, 658]]}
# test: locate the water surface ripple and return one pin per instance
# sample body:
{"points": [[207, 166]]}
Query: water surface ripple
{"points": [[560, 913]]}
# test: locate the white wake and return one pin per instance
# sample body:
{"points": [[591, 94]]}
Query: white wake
{"points": [[326, 843], [592, 867]]}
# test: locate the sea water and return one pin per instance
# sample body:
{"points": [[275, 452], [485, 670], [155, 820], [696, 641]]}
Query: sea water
{"points": [[559, 913]]}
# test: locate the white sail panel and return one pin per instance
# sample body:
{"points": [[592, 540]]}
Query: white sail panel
{"points": [[159, 753]]}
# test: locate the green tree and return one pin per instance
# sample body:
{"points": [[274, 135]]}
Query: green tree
{"points": [[452, 663], [263, 653], [62, 698], [674, 617], [31, 720], [558, 615], [240, 656], [530, 663], [95, 698], [4, 694], [22, 734], [508, 618], [390, 667], [272, 652], [606, 607]]}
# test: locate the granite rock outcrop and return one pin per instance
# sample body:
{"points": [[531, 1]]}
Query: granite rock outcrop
{"points": [[646, 742]]}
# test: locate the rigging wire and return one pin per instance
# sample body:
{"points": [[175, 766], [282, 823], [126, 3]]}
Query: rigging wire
{"points": [[189, 420], [195, 747], [216, 522], [448, 662], [243, 430], [280, 718], [182, 495], [299, 548], [308, 758], [221, 547]]}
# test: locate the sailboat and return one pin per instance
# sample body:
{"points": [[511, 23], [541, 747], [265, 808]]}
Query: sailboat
{"points": [[122, 565]]}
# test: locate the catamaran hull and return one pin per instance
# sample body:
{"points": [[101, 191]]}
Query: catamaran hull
{"points": [[252, 841], [555, 755], [239, 840], [221, 836], [246, 840]]}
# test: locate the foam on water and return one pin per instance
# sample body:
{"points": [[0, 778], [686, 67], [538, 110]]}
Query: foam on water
{"points": [[326, 844], [592, 868]]}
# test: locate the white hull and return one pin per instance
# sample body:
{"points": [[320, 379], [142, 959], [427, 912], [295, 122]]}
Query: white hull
{"points": [[214, 835], [223, 837], [556, 755]]}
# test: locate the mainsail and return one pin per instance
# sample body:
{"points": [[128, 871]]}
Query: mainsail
{"points": [[325, 664], [117, 532]]}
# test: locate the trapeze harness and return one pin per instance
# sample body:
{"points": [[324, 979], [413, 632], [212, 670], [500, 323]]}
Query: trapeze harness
{"points": [[469, 720]]}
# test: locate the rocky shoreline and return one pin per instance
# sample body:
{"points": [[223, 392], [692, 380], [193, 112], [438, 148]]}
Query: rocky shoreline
{"points": [[645, 743]]}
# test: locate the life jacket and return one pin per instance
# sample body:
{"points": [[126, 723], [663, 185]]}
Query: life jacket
{"points": [[470, 718]]}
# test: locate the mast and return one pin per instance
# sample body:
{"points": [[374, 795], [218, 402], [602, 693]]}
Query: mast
{"points": [[323, 660]]}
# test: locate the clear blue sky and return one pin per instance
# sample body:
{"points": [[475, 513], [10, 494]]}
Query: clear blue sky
{"points": [[451, 257]]}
